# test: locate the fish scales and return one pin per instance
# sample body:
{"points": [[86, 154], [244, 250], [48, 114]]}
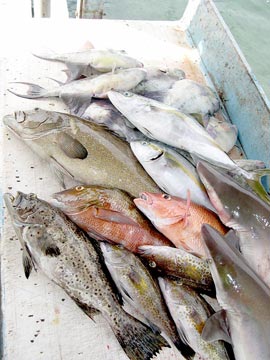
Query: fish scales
{"points": [[109, 160], [65, 255]]}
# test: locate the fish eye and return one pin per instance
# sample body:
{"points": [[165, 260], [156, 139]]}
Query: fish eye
{"points": [[127, 94], [32, 196], [166, 196], [79, 188]]}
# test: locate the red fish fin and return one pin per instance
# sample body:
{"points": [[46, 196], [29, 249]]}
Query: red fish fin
{"points": [[187, 213], [114, 216]]}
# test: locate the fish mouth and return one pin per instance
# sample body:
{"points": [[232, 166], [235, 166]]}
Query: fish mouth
{"points": [[11, 201]]}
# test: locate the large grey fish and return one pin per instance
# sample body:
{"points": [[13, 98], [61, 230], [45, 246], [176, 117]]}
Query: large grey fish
{"points": [[78, 94], [66, 256], [81, 150], [243, 211], [141, 291], [168, 125], [244, 298], [84, 62], [104, 113], [192, 270], [173, 173], [190, 312]]}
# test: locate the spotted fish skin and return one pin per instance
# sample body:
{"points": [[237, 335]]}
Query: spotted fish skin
{"points": [[65, 255]]}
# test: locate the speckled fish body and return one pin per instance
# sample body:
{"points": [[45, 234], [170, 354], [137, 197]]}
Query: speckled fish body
{"points": [[173, 173], [78, 94], [192, 270], [83, 62], [192, 97], [104, 113], [243, 296], [190, 312], [110, 214], [141, 291], [168, 125], [179, 221], [243, 211], [65, 255], [80, 149]]}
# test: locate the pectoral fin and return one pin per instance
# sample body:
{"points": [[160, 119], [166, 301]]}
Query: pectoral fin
{"points": [[216, 328], [28, 264], [114, 216], [233, 239]]}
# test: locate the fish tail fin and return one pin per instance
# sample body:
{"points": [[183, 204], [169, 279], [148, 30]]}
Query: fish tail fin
{"points": [[254, 181], [137, 340], [47, 55], [33, 91]]}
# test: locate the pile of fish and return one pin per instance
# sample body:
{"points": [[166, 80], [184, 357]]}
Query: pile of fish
{"points": [[160, 217]]}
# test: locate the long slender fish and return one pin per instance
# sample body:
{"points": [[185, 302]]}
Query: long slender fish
{"points": [[141, 291], [190, 312], [178, 219], [243, 211], [244, 298], [80, 149], [108, 214], [78, 94], [173, 173], [84, 62], [66, 256], [192, 270]]}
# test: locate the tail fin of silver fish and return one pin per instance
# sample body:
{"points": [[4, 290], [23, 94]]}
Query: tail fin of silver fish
{"points": [[33, 91]]}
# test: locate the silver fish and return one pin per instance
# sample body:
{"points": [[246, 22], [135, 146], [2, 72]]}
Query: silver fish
{"points": [[78, 94], [243, 297], [171, 171], [190, 312], [92, 61], [104, 113], [141, 291], [66, 256]]}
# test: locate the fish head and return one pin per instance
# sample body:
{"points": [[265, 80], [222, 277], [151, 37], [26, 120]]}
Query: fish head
{"points": [[147, 151], [27, 209], [80, 198], [35, 123], [114, 254], [162, 209]]}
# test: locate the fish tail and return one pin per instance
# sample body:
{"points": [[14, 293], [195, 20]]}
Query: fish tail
{"points": [[33, 91], [137, 340], [254, 181]]}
